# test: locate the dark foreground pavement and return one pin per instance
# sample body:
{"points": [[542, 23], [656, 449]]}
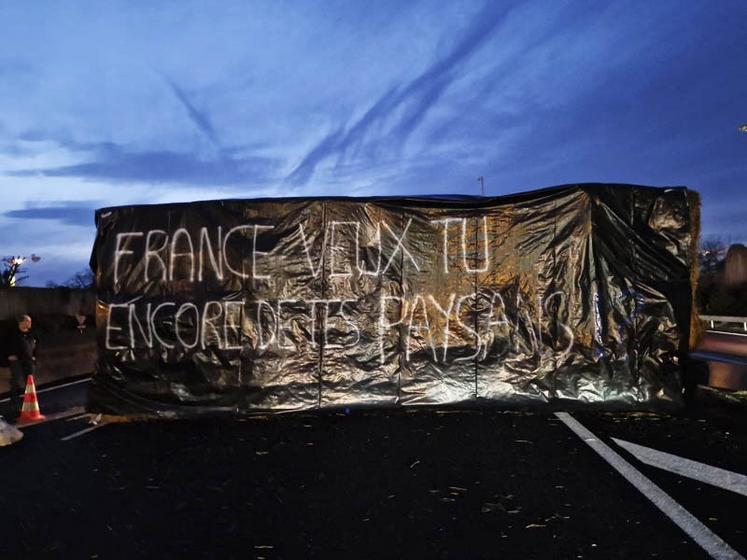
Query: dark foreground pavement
{"points": [[418, 484]]}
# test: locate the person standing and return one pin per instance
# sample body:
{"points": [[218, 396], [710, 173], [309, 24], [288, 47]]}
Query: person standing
{"points": [[21, 351]]}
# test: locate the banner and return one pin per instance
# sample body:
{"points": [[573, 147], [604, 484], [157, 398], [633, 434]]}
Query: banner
{"points": [[572, 295]]}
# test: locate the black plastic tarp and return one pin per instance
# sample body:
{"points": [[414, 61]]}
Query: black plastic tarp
{"points": [[572, 295]]}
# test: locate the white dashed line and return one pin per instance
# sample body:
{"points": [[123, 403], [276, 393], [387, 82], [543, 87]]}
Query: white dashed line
{"points": [[86, 380], [68, 414], [82, 432]]}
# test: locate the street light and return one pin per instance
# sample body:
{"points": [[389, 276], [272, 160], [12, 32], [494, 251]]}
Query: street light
{"points": [[743, 128], [12, 267]]}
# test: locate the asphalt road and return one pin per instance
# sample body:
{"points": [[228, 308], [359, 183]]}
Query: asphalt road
{"points": [[385, 484]]}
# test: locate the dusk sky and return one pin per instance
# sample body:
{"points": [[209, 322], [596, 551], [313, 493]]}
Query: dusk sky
{"points": [[109, 103]]}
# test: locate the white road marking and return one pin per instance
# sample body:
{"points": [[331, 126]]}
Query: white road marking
{"points": [[707, 539], [82, 432], [86, 380], [72, 413], [715, 476]]}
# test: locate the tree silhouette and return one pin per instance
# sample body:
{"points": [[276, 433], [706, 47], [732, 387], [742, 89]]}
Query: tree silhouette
{"points": [[712, 252], [11, 274]]}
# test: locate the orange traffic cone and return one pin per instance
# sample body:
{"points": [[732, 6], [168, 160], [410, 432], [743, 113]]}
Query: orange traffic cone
{"points": [[30, 410]]}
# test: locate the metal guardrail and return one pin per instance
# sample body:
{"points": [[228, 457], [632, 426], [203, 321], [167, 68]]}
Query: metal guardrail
{"points": [[725, 321]]}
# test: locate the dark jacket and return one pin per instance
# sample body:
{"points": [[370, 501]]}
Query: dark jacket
{"points": [[23, 345]]}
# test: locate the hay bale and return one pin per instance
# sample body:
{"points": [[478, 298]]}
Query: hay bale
{"points": [[694, 203]]}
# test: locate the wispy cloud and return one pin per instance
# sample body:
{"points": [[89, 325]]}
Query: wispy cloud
{"points": [[407, 105], [115, 164], [200, 118], [69, 213], [328, 145], [254, 99]]}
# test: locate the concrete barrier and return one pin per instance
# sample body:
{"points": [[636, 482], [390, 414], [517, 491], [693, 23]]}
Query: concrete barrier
{"points": [[65, 350], [724, 343], [724, 375], [66, 354], [46, 301], [726, 355]]}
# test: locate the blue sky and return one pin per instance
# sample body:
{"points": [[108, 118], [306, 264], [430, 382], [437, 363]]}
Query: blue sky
{"points": [[109, 103]]}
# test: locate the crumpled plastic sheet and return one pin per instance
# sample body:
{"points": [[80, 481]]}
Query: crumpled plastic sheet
{"points": [[572, 296], [9, 434]]}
